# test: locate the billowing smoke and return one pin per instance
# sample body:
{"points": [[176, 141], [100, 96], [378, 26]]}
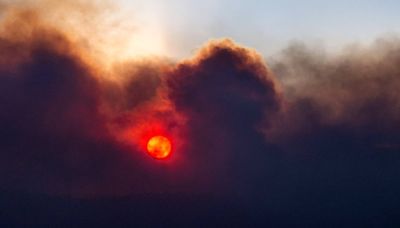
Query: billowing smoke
{"points": [[71, 126], [226, 93], [53, 131], [308, 135]]}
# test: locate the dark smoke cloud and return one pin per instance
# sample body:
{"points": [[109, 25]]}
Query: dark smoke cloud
{"points": [[339, 131], [58, 114], [354, 93], [316, 146], [226, 93], [68, 128], [50, 117]]}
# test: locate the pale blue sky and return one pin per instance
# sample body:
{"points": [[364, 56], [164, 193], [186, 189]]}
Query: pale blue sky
{"points": [[267, 26]]}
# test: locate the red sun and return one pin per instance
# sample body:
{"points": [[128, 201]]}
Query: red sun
{"points": [[159, 147]]}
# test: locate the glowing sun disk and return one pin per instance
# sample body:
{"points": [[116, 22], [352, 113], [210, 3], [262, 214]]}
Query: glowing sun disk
{"points": [[159, 147]]}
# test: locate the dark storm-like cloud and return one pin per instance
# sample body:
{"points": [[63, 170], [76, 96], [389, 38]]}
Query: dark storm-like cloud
{"points": [[226, 93]]}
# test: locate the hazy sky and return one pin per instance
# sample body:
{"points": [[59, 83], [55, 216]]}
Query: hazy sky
{"points": [[265, 25]]}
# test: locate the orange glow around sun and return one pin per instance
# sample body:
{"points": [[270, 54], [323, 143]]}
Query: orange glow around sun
{"points": [[159, 147]]}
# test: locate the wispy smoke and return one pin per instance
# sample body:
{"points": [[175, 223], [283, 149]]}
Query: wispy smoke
{"points": [[354, 93]]}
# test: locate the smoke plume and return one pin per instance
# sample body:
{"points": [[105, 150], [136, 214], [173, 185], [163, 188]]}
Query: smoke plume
{"points": [[87, 123], [310, 134]]}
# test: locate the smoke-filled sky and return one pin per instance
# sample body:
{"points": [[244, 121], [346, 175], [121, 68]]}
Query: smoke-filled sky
{"points": [[266, 25], [264, 130]]}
